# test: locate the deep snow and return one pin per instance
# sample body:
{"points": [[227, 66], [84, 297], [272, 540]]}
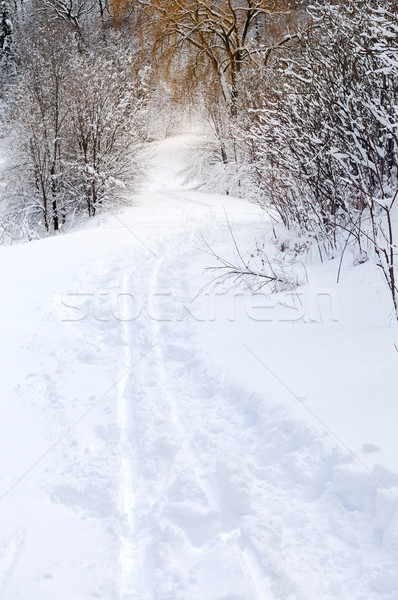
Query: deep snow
{"points": [[160, 444]]}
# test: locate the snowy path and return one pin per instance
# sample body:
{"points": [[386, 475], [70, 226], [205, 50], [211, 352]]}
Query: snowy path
{"points": [[191, 543], [134, 466]]}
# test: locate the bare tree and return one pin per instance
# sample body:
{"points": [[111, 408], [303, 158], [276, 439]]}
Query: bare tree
{"points": [[72, 11], [225, 35]]}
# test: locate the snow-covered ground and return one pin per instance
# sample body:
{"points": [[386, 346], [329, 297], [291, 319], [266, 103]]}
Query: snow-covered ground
{"points": [[161, 443]]}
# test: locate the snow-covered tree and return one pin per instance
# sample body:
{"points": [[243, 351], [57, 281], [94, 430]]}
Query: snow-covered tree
{"points": [[103, 112], [75, 128], [225, 36], [6, 36]]}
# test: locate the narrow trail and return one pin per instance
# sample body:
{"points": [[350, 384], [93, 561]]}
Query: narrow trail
{"points": [[166, 489], [195, 496], [190, 457]]}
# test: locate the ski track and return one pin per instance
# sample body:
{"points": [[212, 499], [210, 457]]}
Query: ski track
{"points": [[201, 490], [255, 579], [130, 585], [187, 447], [223, 482]]}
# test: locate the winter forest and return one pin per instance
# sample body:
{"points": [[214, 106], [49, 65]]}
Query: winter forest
{"points": [[299, 99], [198, 256], [299, 102]]}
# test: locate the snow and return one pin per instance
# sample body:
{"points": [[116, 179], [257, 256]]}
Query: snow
{"points": [[161, 443]]}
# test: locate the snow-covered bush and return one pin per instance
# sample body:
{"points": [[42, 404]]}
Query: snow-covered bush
{"points": [[327, 132]]}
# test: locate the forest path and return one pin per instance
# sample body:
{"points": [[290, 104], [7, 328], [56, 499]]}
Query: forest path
{"points": [[234, 497], [135, 468], [184, 548]]}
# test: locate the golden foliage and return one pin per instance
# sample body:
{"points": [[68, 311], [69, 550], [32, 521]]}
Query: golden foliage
{"points": [[223, 35]]}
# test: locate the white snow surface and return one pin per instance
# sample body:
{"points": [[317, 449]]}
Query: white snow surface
{"points": [[158, 443]]}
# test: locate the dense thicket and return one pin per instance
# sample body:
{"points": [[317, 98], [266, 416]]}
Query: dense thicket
{"points": [[326, 134]]}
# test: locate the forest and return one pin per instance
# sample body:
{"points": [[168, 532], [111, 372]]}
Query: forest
{"points": [[298, 103]]}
